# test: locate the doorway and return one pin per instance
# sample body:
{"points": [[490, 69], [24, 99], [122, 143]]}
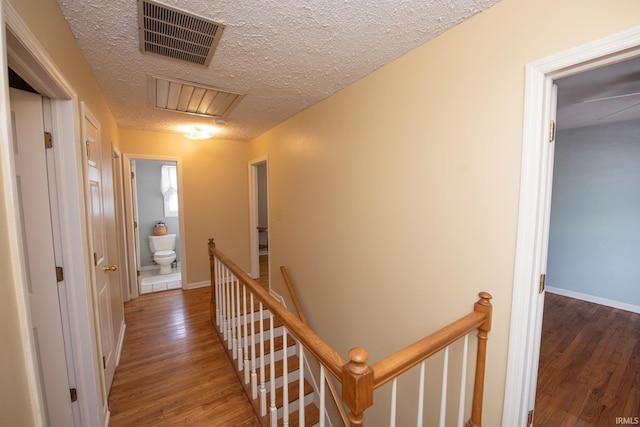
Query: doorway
{"points": [[594, 244], [153, 204], [32, 63], [534, 210], [259, 217], [36, 196]]}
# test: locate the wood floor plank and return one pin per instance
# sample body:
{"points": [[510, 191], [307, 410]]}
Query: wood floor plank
{"points": [[173, 370], [589, 371]]}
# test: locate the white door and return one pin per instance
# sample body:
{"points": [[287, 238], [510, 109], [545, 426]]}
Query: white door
{"points": [[551, 94], [44, 289], [136, 230], [103, 269]]}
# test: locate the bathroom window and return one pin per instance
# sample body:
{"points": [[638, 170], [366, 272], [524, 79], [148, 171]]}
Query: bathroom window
{"points": [[169, 182]]}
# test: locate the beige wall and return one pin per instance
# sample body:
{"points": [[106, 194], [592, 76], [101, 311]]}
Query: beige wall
{"points": [[215, 199], [395, 201], [45, 21]]}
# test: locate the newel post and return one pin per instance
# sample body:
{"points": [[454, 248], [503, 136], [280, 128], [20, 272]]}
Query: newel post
{"points": [[357, 385], [212, 305], [483, 306]]}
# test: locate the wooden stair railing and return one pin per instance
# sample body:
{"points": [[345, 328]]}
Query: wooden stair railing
{"points": [[359, 380]]}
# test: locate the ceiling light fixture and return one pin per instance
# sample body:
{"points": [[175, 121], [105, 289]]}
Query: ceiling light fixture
{"points": [[198, 133]]}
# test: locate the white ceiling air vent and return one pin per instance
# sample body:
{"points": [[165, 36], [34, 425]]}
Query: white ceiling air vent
{"points": [[173, 33], [191, 98]]}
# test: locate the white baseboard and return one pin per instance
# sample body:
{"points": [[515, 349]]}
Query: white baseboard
{"points": [[597, 300], [197, 285], [278, 297], [123, 328]]}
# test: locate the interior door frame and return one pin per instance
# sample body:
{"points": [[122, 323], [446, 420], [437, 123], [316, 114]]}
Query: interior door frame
{"points": [[118, 187], [535, 187], [29, 59], [133, 251], [254, 237]]}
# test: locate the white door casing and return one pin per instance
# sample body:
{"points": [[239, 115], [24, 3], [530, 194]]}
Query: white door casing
{"points": [[39, 257], [102, 268], [136, 229], [131, 218], [533, 216], [123, 271]]}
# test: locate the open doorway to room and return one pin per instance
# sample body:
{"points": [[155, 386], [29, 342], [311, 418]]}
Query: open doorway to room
{"points": [[154, 224], [259, 219], [535, 211], [591, 320]]}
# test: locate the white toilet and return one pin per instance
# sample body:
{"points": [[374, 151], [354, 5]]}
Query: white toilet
{"points": [[163, 251]]}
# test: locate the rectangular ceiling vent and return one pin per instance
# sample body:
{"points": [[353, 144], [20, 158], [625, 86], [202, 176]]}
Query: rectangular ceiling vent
{"points": [[191, 98], [173, 33]]}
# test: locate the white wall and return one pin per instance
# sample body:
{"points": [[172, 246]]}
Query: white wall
{"points": [[594, 241]]}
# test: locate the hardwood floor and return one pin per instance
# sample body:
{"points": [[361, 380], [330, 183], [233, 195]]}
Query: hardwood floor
{"points": [[173, 370], [589, 371]]}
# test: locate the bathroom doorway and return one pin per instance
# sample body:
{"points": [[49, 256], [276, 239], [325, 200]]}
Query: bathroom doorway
{"points": [[154, 208]]}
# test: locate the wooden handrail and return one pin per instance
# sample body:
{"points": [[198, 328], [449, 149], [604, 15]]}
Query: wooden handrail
{"points": [[321, 350], [405, 359], [303, 318], [294, 295]]}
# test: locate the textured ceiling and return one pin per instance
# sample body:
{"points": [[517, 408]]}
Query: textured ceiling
{"points": [[286, 55], [604, 95]]}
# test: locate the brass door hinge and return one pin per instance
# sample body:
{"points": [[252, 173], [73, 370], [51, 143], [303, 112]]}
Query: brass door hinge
{"points": [[543, 279], [133, 175], [552, 131], [59, 274], [48, 140], [138, 273], [530, 418], [74, 394], [135, 224], [104, 362], [95, 259]]}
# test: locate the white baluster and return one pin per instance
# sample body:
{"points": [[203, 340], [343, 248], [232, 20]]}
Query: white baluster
{"points": [[254, 375], [245, 338], [421, 396], [394, 393], [272, 377], [263, 389], [463, 382], [238, 324], [222, 296], [301, 385], [227, 329], [222, 302], [323, 378], [285, 376], [216, 270], [443, 394], [234, 337]]}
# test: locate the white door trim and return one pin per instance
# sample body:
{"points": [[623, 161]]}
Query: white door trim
{"points": [[133, 252], [534, 189], [27, 57], [254, 237], [118, 187]]}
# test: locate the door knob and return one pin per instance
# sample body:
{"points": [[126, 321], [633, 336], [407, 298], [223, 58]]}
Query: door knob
{"points": [[112, 268]]}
